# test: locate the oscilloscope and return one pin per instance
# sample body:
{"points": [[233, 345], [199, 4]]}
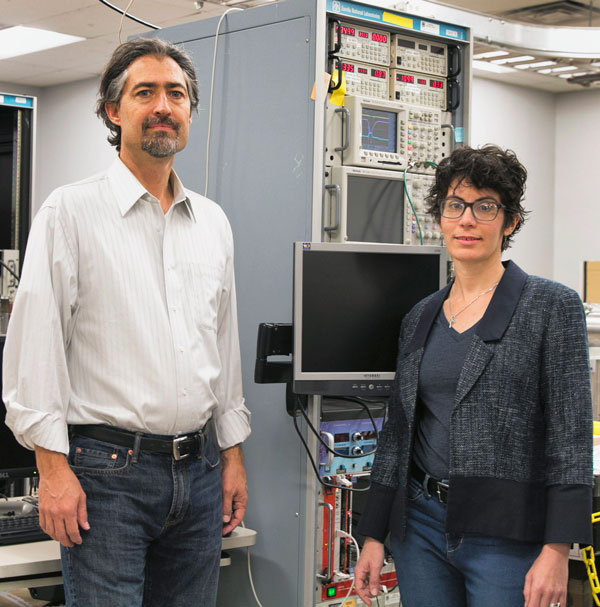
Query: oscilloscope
{"points": [[376, 133]]}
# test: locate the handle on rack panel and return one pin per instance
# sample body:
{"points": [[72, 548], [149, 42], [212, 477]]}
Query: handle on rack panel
{"points": [[337, 35], [339, 69], [336, 188], [453, 98], [326, 577], [454, 61], [345, 130], [452, 140]]}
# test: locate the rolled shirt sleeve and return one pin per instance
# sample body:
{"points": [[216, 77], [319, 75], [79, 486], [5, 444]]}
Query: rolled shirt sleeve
{"points": [[36, 386], [231, 417]]}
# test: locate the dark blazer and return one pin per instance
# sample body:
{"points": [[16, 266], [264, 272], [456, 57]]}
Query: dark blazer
{"points": [[521, 427]]}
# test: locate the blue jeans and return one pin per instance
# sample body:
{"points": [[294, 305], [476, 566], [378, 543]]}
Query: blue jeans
{"points": [[438, 568], [155, 528]]}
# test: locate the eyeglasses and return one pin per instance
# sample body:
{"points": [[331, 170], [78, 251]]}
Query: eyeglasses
{"points": [[485, 209]]}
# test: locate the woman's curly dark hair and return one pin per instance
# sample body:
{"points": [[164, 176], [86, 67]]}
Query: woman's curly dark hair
{"points": [[488, 167]]}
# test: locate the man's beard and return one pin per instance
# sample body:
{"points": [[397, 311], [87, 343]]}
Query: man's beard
{"points": [[160, 144]]}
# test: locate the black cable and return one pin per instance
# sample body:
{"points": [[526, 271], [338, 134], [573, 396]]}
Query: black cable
{"points": [[314, 466], [318, 434], [132, 17], [11, 271]]}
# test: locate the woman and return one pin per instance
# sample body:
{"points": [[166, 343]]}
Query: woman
{"points": [[483, 474]]}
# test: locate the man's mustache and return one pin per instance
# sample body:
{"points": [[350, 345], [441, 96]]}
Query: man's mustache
{"points": [[148, 122]]}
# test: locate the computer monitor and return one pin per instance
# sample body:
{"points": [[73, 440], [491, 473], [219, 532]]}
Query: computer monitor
{"points": [[16, 462], [349, 302]]}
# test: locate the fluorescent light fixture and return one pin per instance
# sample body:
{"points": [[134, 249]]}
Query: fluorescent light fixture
{"points": [[534, 65], [490, 54], [571, 75], [491, 67], [546, 71], [566, 68], [512, 59], [21, 40]]}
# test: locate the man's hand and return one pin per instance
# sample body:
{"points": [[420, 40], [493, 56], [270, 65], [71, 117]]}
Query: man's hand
{"points": [[61, 499], [235, 490], [366, 571], [546, 581]]}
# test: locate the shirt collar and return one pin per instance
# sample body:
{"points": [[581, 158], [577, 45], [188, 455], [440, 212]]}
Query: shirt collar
{"points": [[128, 190], [494, 322]]}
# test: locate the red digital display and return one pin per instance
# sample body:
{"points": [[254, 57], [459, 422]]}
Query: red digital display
{"points": [[363, 70], [405, 78], [347, 67], [378, 73], [378, 37], [349, 31], [421, 81], [437, 84], [363, 34]]}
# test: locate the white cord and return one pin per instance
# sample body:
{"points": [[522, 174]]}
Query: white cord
{"points": [[250, 575], [123, 19], [344, 534], [212, 84]]}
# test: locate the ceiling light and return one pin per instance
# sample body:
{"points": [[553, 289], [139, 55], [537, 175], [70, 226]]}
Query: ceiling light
{"points": [[20, 40], [536, 64], [490, 54], [491, 67], [571, 75], [565, 68], [512, 59], [546, 71]]}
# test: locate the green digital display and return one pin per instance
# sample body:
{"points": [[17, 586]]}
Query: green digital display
{"points": [[330, 592]]}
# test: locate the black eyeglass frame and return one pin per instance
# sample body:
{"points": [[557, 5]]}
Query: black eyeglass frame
{"points": [[471, 205]]}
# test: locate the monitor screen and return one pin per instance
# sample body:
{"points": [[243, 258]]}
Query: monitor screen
{"points": [[349, 302], [375, 209], [16, 462], [379, 130]]}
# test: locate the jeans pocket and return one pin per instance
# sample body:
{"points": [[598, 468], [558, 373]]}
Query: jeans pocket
{"points": [[211, 455], [88, 456], [414, 490]]}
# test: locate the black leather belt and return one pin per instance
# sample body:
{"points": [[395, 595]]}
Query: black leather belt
{"points": [[434, 487], [179, 447]]}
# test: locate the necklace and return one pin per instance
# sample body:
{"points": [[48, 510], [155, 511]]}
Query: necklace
{"points": [[453, 316]]}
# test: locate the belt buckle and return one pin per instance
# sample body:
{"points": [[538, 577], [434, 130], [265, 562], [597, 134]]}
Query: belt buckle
{"points": [[439, 487], [177, 446]]}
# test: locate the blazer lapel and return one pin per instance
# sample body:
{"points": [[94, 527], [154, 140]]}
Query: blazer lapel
{"points": [[491, 328], [477, 359]]}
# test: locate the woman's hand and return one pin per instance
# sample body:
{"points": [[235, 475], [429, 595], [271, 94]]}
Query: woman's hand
{"points": [[366, 571], [546, 581]]}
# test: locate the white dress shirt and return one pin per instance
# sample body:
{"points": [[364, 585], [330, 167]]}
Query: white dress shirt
{"points": [[125, 316]]}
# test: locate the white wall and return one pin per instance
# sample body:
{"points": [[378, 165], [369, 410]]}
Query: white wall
{"points": [[577, 197], [522, 119], [71, 138]]}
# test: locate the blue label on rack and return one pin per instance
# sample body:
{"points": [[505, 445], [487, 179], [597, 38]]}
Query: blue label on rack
{"points": [[16, 100], [385, 17]]}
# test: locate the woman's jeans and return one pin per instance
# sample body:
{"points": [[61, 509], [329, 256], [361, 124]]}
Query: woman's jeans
{"points": [[438, 568], [155, 528]]}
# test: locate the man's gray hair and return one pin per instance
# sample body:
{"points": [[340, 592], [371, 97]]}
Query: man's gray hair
{"points": [[115, 75]]}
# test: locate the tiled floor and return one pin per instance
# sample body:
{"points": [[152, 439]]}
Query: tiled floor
{"points": [[19, 598]]}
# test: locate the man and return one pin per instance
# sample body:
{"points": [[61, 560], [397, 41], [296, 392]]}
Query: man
{"points": [[122, 347]]}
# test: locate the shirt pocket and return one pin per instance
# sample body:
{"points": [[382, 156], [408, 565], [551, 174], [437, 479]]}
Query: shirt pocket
{"points": [[206, 286]]}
